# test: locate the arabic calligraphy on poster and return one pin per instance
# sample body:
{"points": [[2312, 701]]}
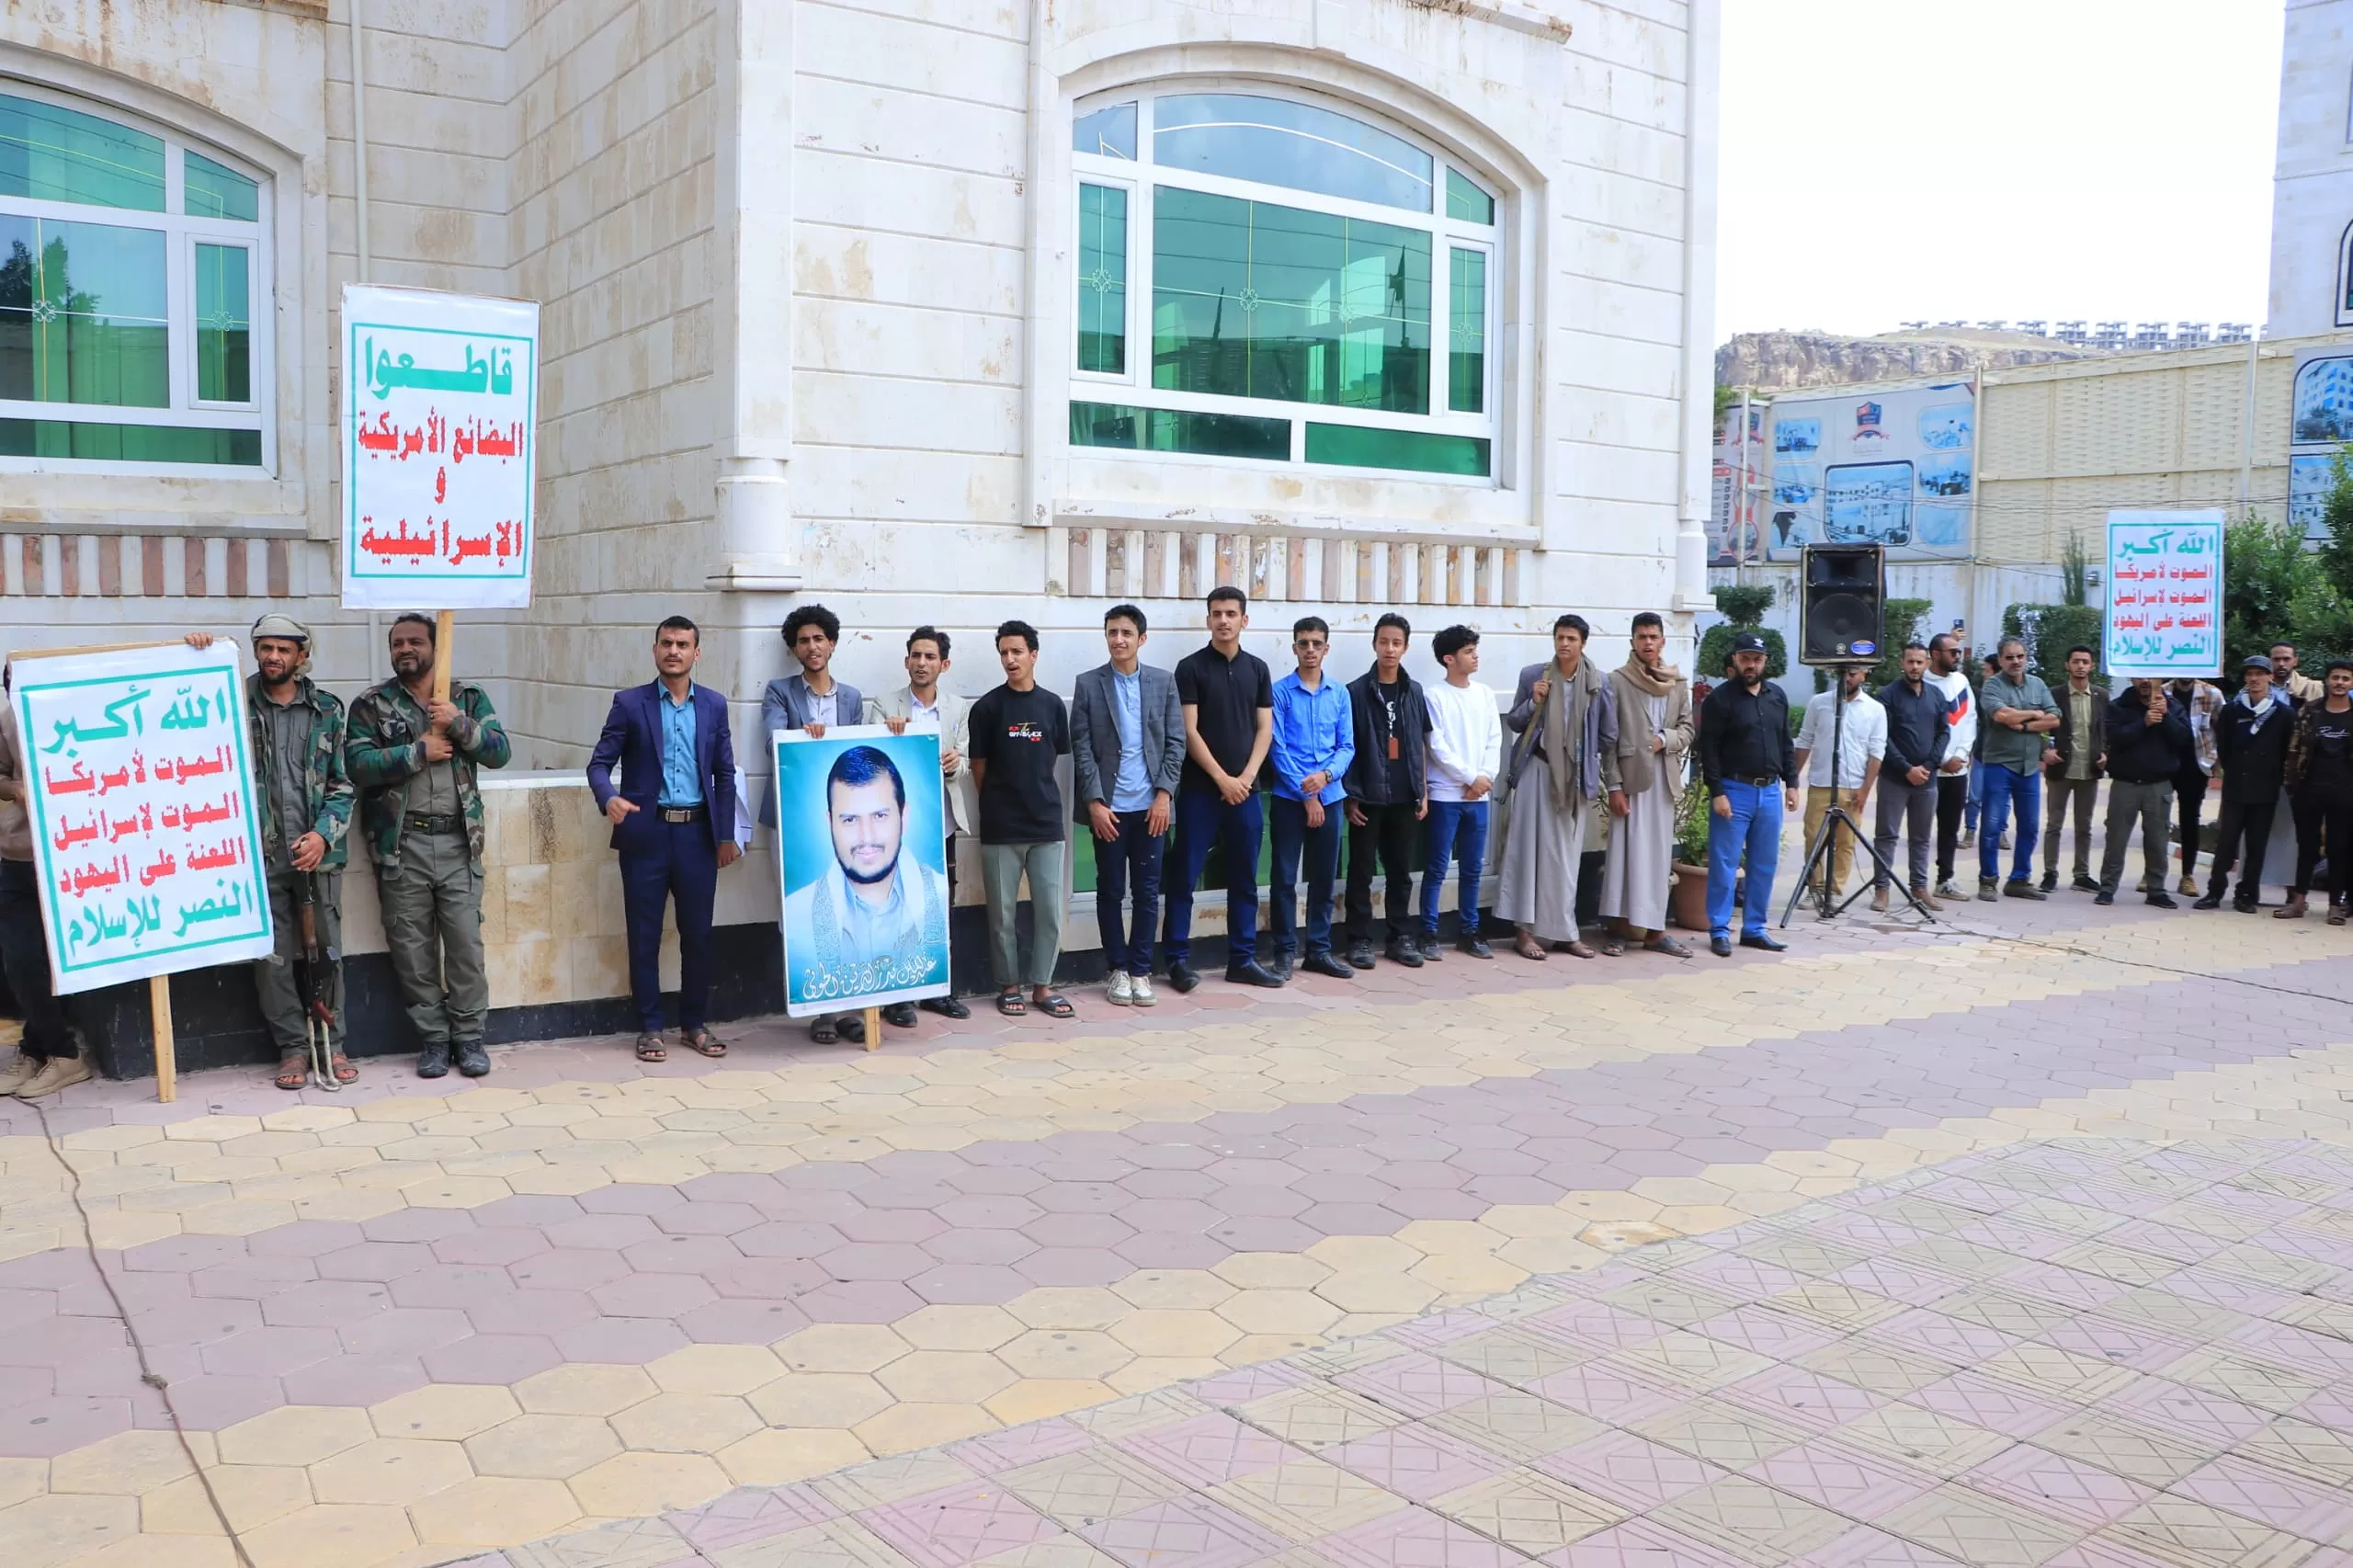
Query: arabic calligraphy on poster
{"points": [[440, 393], [2164, 594], [144, 831]]}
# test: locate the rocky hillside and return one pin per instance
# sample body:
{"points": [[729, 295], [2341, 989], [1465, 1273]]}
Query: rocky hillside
{"points": [[1781, 361]]}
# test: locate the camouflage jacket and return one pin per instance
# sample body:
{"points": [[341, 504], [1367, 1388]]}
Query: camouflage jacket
{"points": [[327, 789], [387, 749]]}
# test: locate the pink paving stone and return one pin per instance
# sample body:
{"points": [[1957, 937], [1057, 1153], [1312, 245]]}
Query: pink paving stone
{"points": [[1982, 1402], [405, 1331], [858, 1300], [569, 1268], [993, 1453], [741, 1322], [980, 1248], [2125, 1345], [1208, 1450], [268, 1352], [2054, 1483], [1769, 1333], [304, 1238], [453, 1284], [1419, 1385], [179, 1255], [1412, 1538], [1595, 1324], [548, 1311], [495, 1246], [530, 1210], [603, 1233], [1439, 1328], [628, 1341], [1163, 1249], [197, 1321], [2331, 1407], [708, 1219], [630, 1198], [682, 1255], [892, 1261], [958, 1525], [1073, 1267], [2192, 1412], [207, 1403], [1608, 1394], [251, 1279], [1742, 1277], [766, 1278], [1899, 1281], [2284, 1502], [325, 1303], [1631, 1472], [1639, 1544], [1414, 1461], [1859, 1485], [1945, 1338], [43, 1428], [60, 1341], [788, 1239], [891, 1225], [1244, 1384], [1184, 1533], [752, 1514], [417, 1225], [501, 1358], [2166, 1241], [25, 1384], [1078, 1230], [375, 1260], [1864, 1547], [351, 1381]]}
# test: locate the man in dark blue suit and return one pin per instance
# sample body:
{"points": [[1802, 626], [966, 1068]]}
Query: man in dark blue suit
{"points": [[674, 824]]}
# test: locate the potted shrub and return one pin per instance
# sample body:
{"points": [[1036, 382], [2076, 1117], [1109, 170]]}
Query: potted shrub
{"points": [[1687, 896]]}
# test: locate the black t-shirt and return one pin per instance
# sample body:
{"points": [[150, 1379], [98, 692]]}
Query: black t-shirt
{"points": [[1018, 735], [1229, 693], [1385, 701], [2331, 764]]}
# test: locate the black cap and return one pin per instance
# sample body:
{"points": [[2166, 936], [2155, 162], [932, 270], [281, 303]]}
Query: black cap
{"points": [[1748, 642], [2255, 662]]}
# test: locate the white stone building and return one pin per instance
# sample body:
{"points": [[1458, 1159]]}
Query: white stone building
{"points": [[2311, 203], [1354, 302]]}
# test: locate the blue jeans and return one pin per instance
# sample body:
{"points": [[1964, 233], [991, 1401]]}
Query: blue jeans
{"points": [[1287, 819], [1203, 819], [1127, 944], [1976, 796], [1457, 829], [2004, 789], [1753, 829]]}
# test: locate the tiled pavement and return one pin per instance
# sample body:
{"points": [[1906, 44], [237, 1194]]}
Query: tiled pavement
{"points": [[401, 1326]]}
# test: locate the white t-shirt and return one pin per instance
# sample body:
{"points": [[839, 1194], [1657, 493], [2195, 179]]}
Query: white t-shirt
{"points": [[1466, 738], [1961, 703], [1861, 738]]}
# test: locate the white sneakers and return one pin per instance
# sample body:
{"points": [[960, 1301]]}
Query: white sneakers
{"points": [[1122, 991], [1139, 990], [58, 1073]]}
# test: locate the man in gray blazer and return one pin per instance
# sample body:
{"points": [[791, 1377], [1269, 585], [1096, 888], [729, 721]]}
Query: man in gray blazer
{"points": [[810, 699], [922, 705], [1127, 742]]}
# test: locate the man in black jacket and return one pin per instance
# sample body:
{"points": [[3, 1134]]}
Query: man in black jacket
{"points": [[2148, 744], [1918, 725], [2251, 735], [1751, 770], [2072, 767], [1388, 786]]}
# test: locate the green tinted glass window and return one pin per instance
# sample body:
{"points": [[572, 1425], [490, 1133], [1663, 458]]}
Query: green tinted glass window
{"points": [[224, 328], [1173, 430], [1355, 446], [1108, 132], [1276, 141], [1466, 327], [50, 153], [1254, 300], [128, 443], [1103, 278], [1465, 202], [82, 313], [212, 192]]}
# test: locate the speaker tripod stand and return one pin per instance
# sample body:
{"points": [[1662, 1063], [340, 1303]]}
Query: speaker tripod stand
{"points": [[1822, 853]]}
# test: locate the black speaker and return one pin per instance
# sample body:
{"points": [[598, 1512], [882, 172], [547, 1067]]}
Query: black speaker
{"points": [[1844, 585]]}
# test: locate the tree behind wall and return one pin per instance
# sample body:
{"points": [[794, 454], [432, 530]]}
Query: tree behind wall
{"points": [[2275, 590], [1743, 609], [2048, 631]]}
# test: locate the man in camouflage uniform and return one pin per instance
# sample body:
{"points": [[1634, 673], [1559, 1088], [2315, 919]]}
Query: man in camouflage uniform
{"points": [[414, 760], [297, 732]]}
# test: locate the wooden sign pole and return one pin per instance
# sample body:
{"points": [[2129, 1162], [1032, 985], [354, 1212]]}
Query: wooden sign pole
{"points": [[159, 1010], [873, 1028], [444, 635]]}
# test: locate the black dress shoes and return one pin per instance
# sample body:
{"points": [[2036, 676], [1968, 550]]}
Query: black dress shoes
{"points": [[1360, 954], [900, 1014], [1183, 977], [433, 1062], [1326, 964], [1758, 939], [1251, 973], [1719, 945], [946, 1006]]}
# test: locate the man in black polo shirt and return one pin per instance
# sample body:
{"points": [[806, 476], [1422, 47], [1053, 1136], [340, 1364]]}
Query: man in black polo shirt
{"points": [[1752, 777], [1229, 702]]}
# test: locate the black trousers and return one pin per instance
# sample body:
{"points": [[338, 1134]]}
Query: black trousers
{"points": [[1387, 834], [2189, 803], [24, 948], [2251, 823], [1952, 800], [2322, 811]]}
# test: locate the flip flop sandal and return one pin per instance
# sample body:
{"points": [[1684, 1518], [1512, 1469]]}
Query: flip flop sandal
{"points": [[1668, 946], [340, 1065], [293, 1072], [702, 1042], [1576, 950], [1012, 1006], [825, 1032], [1613, 948], [648, 1049], [1057, 1005], [853, 1029]]}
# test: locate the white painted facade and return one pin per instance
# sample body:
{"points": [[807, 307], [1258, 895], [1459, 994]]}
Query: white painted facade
{"points": [[2311, 212], [808, 279]]}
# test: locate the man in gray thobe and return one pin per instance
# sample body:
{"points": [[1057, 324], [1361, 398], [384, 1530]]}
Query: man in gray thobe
{"points": [[1567, 722]]}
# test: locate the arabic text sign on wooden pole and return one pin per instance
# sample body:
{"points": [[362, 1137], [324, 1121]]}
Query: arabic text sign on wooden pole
{"points": [[2164, 595], [439, 404], [146, 834]]}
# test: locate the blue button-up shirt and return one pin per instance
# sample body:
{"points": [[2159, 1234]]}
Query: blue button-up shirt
{"points": [[681, 778], [1131, 786], [1314, 732]]}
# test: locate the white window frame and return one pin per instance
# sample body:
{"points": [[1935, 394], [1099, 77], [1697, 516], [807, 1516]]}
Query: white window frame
{"points": [[182, 234], [1135, 195], [2340, 306], [1142, 176]]}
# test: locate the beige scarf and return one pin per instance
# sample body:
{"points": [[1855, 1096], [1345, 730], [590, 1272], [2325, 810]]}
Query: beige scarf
{"points": [[1564, 713], [1651, 681]]}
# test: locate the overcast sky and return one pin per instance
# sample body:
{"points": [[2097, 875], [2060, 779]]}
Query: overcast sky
{"points": [[1888, 161]]}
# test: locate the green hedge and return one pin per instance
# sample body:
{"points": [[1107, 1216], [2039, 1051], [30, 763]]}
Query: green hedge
{"points": [[2049, 630]]}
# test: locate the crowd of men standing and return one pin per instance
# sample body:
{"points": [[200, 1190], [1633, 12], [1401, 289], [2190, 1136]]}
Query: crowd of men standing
{"points": [[1219, 757]]}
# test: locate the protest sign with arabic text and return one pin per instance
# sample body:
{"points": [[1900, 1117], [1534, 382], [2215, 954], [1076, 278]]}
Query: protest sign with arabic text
{"points": [[440, 396], [2164, 595], [139, 787]]}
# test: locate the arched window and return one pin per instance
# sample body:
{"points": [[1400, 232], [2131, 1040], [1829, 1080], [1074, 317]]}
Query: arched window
{"points": [[134, 295], [1267, 278], [2343, 303]]}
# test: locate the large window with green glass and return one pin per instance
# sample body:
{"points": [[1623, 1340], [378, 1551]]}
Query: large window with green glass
{"points": [[134, 294], [1262, 250]]}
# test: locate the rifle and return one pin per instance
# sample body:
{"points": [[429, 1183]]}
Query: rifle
{"points": [[318, 1017]]}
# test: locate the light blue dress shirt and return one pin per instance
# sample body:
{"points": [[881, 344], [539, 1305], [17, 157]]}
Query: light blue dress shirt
{"points": [[1314, 732], [1131, 787], [681, 778]]}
